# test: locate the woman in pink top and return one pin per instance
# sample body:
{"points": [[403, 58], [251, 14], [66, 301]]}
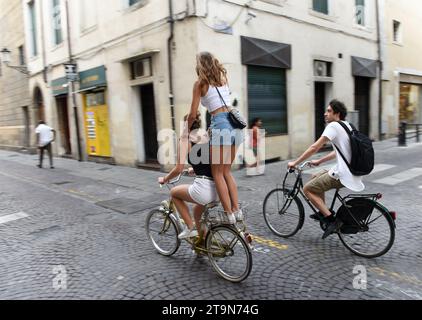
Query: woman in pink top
{"points": [[212, 91]]}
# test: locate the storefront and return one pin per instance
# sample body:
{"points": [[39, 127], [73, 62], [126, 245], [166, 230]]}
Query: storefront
{"points": [[93, 87], [410, 102]]}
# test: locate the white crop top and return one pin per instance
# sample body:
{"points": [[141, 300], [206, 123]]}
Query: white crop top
{"points": [[212, 100]]}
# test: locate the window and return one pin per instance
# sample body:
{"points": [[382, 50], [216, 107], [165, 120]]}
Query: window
{"points": [[397, 32], [141, 68], [360, 12], [132, 2], [320, 6], [267, 98], [33, 29], [56, 22], [22, 61]]}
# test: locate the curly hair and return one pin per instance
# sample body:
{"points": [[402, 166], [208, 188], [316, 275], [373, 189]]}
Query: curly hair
{"points": [[210, 70]]}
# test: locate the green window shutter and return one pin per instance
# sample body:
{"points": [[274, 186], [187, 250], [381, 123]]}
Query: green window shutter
{"points": [[320, 6], [267, 98]]}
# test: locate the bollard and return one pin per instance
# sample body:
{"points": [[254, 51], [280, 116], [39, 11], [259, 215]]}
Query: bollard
{"points": [[402, 134], [417, 134]]}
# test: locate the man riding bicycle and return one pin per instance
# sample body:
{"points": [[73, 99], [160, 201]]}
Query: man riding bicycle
{"points": [[339, 176]]}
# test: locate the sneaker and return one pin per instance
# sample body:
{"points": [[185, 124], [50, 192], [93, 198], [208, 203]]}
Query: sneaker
{"points": [[188, 233], [52, 167], [333, 227], [317, 216], [231, 218], [239, 215], [39, 166]]}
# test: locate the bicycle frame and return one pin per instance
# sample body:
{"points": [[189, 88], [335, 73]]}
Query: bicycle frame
{"points": [[298, 189]]}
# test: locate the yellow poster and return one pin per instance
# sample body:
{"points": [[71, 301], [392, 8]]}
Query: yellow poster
{"points": [[97, 125]]}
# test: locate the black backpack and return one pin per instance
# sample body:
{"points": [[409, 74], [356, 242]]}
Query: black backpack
{"points": [[363, 156]]}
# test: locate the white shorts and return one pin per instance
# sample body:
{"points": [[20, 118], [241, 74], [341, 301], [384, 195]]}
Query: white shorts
{"points": [[203, 191]]}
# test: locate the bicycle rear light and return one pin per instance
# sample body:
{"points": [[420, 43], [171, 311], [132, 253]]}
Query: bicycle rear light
{"points": [[393, 215]]}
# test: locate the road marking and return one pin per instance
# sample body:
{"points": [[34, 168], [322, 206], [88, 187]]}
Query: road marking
{"points": [[13, 217], [382, 167], [401, 177], [269, 243]]}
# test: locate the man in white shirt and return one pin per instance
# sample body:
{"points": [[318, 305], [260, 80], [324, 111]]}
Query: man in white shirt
{"points": [[45, 136], [339, 176]]}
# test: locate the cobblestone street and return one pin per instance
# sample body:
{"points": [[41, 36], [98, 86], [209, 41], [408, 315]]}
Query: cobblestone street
{"points": [[87, 221]]}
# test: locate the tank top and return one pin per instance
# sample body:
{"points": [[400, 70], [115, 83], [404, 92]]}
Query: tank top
{"points": [[212, 100], [196, 160]]}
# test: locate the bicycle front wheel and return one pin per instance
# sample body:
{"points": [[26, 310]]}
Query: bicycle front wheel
{"points": [[374, 237], [162, 232], [283, 214], [229, 254]]}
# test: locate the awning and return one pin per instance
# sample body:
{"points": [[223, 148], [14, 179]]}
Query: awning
{"points": [[140, 55], [266, 53], [362, 67], [89, 89], [59, 86], [95, 77]]}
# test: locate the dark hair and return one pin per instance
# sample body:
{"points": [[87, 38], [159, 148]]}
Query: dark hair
{"points": [[339, 108], [41, 122], [196, 124], [254, 122]]}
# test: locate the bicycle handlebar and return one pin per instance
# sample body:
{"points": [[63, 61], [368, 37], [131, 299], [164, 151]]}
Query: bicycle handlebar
{"points": [[176, 180], [301, 167]]}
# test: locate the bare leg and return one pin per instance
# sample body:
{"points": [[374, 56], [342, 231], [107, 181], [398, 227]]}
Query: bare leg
{"points": [[217, 168], [231, 182], [179, 195], [198, 210], [318, 202]]}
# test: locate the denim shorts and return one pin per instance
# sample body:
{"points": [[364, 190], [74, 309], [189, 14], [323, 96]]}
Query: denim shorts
{"points": [[222, 131]]}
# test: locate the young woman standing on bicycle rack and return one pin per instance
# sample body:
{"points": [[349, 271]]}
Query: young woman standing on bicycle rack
{"points": [[202, 191], [212, 91], [339, 176]]}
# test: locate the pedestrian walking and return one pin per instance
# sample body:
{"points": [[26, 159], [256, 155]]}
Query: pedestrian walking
{"points": [[45, 137]]}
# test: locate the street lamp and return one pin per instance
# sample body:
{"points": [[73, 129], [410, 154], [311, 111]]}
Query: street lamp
{"points": [[6, 58]]}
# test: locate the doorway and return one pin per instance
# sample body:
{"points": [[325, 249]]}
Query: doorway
{"points": [[39, 105], [26, 123], [149, 122], [63, 119], [320, 106], [362, 103]]}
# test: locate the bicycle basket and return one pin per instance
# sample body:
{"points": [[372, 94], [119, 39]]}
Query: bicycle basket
{"points": [[355, 210]]}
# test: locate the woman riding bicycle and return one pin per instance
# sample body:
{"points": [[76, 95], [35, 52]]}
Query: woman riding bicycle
{"points": [[202, 191]]}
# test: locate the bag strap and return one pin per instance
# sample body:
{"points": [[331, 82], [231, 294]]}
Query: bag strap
{"points": [[350, 136], [221, 98]]}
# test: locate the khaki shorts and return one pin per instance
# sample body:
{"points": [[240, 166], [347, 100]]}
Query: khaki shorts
{"points": [[322, 183]]}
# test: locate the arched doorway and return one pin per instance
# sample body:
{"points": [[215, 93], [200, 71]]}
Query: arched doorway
{"points": [[39, 111]]}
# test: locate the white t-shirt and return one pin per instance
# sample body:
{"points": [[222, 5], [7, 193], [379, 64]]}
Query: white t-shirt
{"points": [[339, 137], [46, 134]]}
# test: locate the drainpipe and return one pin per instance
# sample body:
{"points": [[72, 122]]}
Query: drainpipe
{"points": [[72, 86], [381, 68], [44, 58], [170, 66]]}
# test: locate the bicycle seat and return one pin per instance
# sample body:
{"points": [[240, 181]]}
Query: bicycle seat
{"points": [[212, 204]]}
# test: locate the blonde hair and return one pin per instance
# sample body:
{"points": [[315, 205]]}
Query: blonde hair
{"points": [[210, 70]]}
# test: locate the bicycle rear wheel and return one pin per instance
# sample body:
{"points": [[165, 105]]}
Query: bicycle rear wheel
{"points": [[229, 254], [375, 236], [283, 214], [163, 233]]}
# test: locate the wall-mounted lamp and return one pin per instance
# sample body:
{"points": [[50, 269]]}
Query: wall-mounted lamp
{"points": [[6, 58]]}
